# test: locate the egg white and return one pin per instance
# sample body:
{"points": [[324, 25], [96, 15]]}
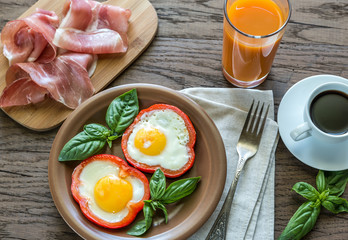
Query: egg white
{"points": [[175, 154], [91, 174]]}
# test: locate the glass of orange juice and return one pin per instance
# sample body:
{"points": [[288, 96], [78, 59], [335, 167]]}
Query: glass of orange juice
{"points": [[251, 36]]}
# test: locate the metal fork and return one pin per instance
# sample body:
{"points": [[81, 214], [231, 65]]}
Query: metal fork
{"points": [[247, 147]]}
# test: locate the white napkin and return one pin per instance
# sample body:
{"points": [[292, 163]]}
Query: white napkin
{"points": [[252, 212]]}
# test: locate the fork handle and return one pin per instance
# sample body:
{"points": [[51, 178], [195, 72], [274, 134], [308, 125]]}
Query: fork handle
{"points": [[219, 229]]}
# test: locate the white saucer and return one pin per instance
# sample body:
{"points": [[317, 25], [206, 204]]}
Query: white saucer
{"points": [[313, 152]]}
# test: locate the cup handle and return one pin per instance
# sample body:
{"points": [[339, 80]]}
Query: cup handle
{"points": [[302, 131]]}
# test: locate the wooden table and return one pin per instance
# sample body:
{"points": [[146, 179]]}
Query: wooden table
{"points": [[186, 52]]}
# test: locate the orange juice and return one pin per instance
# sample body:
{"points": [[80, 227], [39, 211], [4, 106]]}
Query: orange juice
{"points": [[251, 38]]}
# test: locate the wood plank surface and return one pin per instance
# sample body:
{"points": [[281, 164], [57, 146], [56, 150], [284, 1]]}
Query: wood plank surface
{"points": [[48, 114], [186, 52]]}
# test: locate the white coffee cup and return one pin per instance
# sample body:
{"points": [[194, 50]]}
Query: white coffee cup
{"points": [[308, 127]]}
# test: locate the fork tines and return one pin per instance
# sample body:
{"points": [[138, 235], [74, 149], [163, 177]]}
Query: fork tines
{"points": [[250, 125]]}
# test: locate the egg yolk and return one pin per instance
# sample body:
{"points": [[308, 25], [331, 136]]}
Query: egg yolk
{"points": [[150, 141], [112, 194]]}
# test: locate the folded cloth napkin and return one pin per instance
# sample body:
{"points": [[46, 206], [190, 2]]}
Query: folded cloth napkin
{"points": [[252, 212]]}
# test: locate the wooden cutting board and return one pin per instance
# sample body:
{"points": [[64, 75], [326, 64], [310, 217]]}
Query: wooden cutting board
{"points": [[49, 114]]}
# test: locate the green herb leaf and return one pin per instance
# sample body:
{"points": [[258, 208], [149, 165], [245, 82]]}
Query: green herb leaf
{"points": [[336, 182], [323, 195], [161, 196], [179, 189], [306, 190], [81, 146], [148, 214], [113, 137], [330, 185], [109, 142], [142, 226], [138, 229], [122, 111], [161, 206], [321, 182], [157, 184], [96, 130], [151, 204], [301, 222], [335, 204]]}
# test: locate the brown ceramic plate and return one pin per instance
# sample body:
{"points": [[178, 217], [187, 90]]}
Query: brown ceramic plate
{"points": [[186, 216]]}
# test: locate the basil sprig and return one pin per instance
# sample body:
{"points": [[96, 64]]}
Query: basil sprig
{"points": [[331, 186], [161, 196], [120, 114]]}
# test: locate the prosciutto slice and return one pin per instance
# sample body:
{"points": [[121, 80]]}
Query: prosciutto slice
{"points": [[103, 28], [22, 92], [30, 39], [65, 79]]}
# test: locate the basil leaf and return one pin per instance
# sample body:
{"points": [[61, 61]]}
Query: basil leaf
{"points": [[96, 130], [335, 204], [138, 229], [161, 206], [336, 182], [148, 214], [179, 189], [113, 137], [151, 204], [301, 222], [81, 147], [157, 184], [142, 226], [323, 195], [321, 182], [122, 111], [109, 142], [306, 190]]}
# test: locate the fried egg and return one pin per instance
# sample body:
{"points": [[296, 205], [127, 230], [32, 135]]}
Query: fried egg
{"points": [[160, 137], [109, 192]]}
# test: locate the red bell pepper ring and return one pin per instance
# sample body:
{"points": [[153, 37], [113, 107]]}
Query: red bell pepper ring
{"points": [[125, 171], [151, 169]]}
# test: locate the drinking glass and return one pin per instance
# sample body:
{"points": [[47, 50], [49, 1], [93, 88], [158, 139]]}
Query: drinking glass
{"points": [[248, 47]]}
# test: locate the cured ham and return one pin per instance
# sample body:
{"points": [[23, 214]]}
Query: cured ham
{"points": [[77, 15], [65, 79], [30, 39], [22, 92], [103, 28], [32, 44], [100, 41]]}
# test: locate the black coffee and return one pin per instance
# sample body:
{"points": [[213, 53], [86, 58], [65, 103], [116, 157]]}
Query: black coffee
{"points": [[329, 112]]}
